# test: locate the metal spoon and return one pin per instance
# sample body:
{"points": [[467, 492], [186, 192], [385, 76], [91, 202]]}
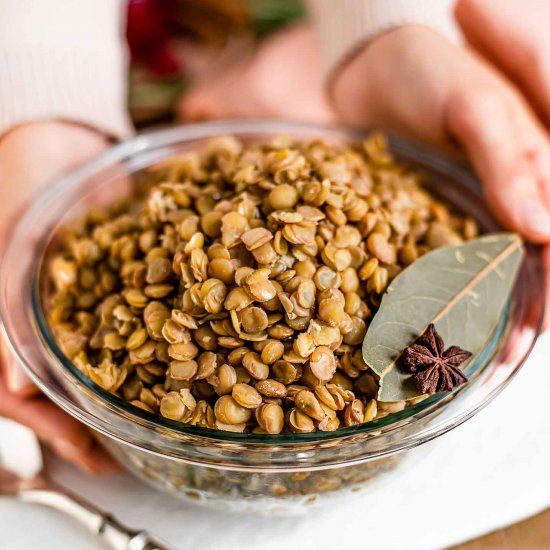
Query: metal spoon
{"points": [[27, 481]]}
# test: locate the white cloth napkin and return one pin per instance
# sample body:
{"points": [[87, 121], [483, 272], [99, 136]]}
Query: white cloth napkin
{"points": [[491, 471]]}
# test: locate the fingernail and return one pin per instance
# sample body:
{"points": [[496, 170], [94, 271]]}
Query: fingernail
{"points": [[70, 449], [534, 217], [16, 378], [103, 463], [94, 461]]}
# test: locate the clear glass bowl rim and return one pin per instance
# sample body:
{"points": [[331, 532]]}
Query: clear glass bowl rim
{"points": [[144, 142]]}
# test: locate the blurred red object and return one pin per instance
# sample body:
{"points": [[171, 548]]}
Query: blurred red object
{"points": [[149, 31]]}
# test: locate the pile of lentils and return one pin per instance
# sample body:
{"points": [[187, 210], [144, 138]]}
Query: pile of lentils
{"points": [[236, 292]]}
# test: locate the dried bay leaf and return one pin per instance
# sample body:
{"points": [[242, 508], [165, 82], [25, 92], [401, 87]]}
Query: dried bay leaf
{"points": [[461, 289]]}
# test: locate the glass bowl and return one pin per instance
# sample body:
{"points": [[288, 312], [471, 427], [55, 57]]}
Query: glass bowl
{"points": [[258, 472]]}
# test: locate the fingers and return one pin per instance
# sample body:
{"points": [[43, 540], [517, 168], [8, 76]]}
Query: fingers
{"points": [[216, 99], [49, 422], [507, 150], [14, 376], [284, 79], [70, 439], [513, 34], [95, 460], [98, 461]]}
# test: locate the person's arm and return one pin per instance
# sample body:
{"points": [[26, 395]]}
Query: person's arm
{"points": [[63, 72]]}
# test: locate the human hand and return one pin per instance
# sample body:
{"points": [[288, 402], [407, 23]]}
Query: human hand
{"points": [[283, 79], [30, 157], [414, 82]]}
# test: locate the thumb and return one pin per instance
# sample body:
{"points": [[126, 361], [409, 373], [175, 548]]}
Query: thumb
{"points": [[16, 380]]}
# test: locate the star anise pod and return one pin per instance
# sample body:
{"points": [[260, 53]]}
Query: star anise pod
{"points": [[435, 368]]}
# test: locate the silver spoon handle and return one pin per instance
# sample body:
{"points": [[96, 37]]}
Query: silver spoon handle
{"points": [[98, 523]]}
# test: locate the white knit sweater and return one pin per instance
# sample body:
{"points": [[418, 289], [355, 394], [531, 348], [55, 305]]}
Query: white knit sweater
{"points": [[66, 59], [345, 25]]}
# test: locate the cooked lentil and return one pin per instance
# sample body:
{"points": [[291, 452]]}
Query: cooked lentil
{"points": [[237, 294]]}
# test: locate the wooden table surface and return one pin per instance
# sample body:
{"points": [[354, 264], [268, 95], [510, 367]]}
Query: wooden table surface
{"points": [[531, 534]]}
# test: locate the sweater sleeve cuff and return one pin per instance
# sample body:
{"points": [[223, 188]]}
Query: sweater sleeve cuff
{"points": [[64, 60], [345, 25]]}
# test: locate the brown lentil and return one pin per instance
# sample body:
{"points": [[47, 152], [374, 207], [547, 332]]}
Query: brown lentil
{"points": [[228, 411], [271, 388], [272, 418], [272, 351], [246, 396], [246, 284]]}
